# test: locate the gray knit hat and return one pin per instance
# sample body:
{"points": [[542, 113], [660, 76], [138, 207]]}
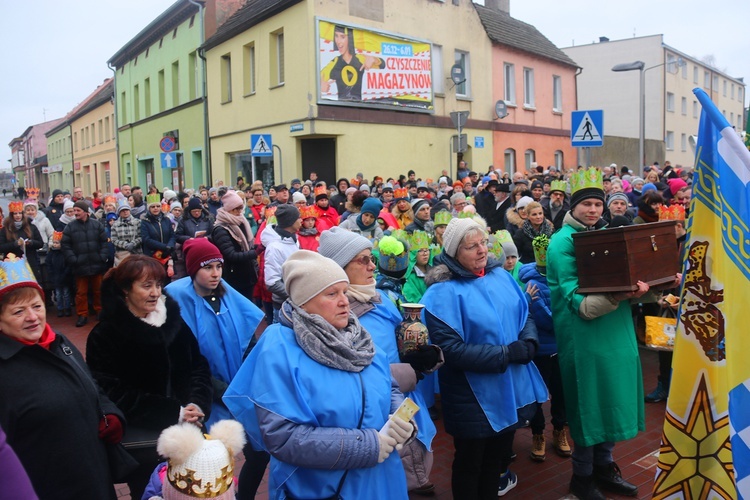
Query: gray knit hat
{"points": [[286, 215], [509, 248], [307, 273], [455, 232], [341, 245], [617, 196]]}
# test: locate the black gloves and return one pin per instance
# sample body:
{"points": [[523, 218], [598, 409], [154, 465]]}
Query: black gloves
{"points": [[521, 351], [422, 359]]}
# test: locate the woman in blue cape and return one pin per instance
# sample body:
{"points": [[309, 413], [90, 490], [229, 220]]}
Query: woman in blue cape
{"points": [[317, 393], [380, 316], [224, 322], [479, 316]]}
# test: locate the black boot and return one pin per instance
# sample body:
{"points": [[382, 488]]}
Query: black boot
{"points": [[82, 320], [585, 488], [610, 478], [68, 313]]}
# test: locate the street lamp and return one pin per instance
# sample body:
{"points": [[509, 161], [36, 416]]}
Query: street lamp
{"points": [[638, 65]]}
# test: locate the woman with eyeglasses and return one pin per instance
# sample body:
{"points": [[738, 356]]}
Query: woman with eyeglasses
{"points": [[380, 316], [479, 316]]}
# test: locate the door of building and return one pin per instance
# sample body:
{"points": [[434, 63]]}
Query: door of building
{"points": [[319, 155]]}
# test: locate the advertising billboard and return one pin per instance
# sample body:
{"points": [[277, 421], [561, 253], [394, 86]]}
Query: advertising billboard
{"points": [[362, 67]]}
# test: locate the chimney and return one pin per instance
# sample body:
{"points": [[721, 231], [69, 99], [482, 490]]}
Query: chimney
{"points": [[603, 39], [498, 5]]}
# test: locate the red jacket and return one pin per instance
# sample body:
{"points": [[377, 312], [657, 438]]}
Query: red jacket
{"points": [[326, 218]]}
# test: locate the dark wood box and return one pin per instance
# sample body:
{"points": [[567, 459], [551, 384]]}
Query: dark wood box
{"points": [[614, 260]]}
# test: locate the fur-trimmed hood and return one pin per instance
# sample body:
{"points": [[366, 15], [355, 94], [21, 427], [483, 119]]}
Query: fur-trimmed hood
{"points": [[513, 217]]}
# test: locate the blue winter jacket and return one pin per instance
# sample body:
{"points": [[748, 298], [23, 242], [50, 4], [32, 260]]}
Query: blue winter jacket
{"points": [[541, 309], [157, 234]]}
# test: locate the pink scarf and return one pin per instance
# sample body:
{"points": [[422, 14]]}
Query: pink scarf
{"points": [[237, 226]]}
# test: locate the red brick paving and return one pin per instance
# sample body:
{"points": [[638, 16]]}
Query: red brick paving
{"points": [[540, 481]]}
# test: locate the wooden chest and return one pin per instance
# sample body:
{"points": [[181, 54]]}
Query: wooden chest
{"points": [[614, 260]]}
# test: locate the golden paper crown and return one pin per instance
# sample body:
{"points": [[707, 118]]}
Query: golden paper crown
{"points": [[320, 190], [561, 186], [16, 273], [540, 244], [109, 199], [307, 212], [672, 212], [586, 178], [400, 193], [15, 206], [419, 240], [32, 192], [57, 236], [442, 218], [270, 215]]}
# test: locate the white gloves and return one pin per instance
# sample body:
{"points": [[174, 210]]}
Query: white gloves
{"points": [[387, 443], [399, 430]]}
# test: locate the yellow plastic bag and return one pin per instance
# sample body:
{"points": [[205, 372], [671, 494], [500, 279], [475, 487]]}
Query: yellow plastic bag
{"points": [[660, 333]]}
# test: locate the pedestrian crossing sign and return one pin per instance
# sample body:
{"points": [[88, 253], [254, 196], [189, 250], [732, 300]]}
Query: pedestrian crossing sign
{"points": [[260, 145], [587, 129]]}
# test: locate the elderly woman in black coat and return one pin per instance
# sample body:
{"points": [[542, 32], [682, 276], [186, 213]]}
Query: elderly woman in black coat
{"points": [[146, 359], [56, 419]]}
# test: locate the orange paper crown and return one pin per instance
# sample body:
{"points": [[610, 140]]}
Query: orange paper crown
{"points": [[109, 199], [270, 212], [307, 212], [15, 206], [57, 236], [320, 190], [400, 193], [32, 192], [672, 212]]}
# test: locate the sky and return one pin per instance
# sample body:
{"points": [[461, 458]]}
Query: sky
{"points": [[54, 53]]}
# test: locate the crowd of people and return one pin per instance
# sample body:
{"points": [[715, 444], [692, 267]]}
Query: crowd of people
{"points": [[280, 307]]}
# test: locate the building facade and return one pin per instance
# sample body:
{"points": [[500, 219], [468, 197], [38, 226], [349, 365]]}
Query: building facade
{"points": [[29, 157], [671, 110], [60, 157]]}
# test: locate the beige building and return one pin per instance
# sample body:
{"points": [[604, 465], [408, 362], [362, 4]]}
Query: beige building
{"points": [[93, 139], [671, 110], [275, 72]]}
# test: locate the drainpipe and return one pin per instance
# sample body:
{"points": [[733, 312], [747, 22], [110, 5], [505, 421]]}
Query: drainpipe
{"points": [[114, 125], [206, 138]]}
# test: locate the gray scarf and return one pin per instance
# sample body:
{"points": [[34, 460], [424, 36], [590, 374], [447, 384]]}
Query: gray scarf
{"points": [[350, 349]]}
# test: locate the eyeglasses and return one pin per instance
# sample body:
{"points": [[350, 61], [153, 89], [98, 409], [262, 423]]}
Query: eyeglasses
{"points": [[365, 260], [475, 246]]}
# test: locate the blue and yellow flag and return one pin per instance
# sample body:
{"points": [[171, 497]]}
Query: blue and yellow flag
{"points": [[705, 446]]}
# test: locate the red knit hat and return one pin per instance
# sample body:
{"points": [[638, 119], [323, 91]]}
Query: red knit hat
{"points": [[200, 252]]}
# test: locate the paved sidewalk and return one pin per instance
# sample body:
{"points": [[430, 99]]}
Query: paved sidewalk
{"points": [[539, 481]]}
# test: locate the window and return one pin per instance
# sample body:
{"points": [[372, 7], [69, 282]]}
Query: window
{"points": [[671, 63], [684, 106], [510, 161], [669, 139], [683, 142], [739, 93], [731, 118], [248, 73], [277, 58], [226, 78], [106, 128], [136, 103], [695, 109], [509, 83], [559, 160], [193, 76], [695, 75], [161, 90], [438, 85], [670, 101], [706, 79], [528, 87], [147, 96], [732, 91], [724, 90], [75, 141], [556, 94], [684, 70], [716, 83], [175, 84], [529, 157], [462, 59], [100, 130]]}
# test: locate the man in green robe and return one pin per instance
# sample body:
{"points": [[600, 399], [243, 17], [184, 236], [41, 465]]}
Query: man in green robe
{"points": [[599, 362]]}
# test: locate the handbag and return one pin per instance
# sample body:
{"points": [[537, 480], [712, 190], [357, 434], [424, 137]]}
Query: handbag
{"points": [[337, 495], [660, 330]]}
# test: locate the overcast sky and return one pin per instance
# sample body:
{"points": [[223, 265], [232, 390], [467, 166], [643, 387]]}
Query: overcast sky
{"points": [[54, 53]]}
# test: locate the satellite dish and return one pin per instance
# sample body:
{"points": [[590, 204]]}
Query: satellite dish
{"points": [[457, 74], [501, 110]]}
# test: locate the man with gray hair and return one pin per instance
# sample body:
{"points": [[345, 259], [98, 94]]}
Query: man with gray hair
{"points": [[458, 202]]}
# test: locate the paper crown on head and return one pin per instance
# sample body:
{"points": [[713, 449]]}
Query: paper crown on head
{"points": [[57, 236], [561, 186], [320, 191], [672, 212], [308, 211], [32, 192], [586, 178], [198, 466], [270, 214], [435, 250], [15, 206], [400, 235], [419, 240], [153, 199], [15, 272], [494, 246], [109, 199], [540, 244], [394, 256], [442, 218], [466, 214], [401, 193]]}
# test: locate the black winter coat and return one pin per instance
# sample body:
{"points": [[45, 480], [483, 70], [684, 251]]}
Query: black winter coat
{"points": [[84, 245], [157, 234], [239, 266], [51, 411], [32, 245], [53, 213], [149, 372], [188, 226]]}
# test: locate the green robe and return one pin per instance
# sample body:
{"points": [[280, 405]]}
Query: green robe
{"points": [[414, 287], [601, 370]]}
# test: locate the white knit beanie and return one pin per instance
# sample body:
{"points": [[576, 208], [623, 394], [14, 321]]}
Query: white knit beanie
{"points": [[307, 273], [455, 232], [298, 196], [341, 245]]}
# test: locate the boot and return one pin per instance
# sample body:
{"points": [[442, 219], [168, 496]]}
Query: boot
{"points": [[68, 312], [609, 478], [82, 320], [59, 313], [584, 488], [560, 443], [538, 447], [659, 394]]}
